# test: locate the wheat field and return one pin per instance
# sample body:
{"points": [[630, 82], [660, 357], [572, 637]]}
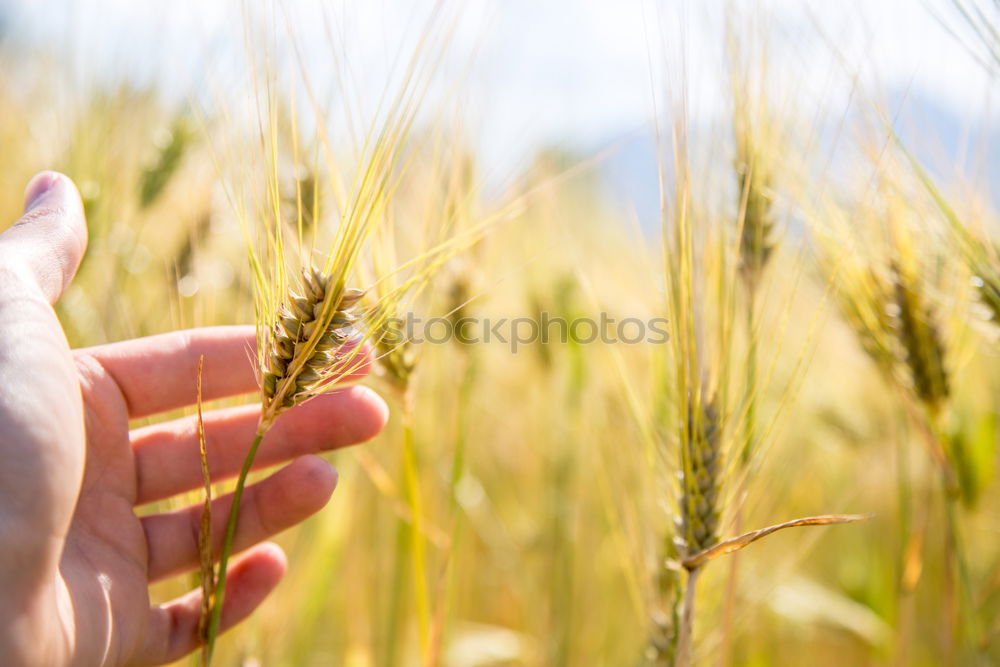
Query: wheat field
{"points": [[599, 397]]}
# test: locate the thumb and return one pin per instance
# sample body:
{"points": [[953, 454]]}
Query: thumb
{"points": [[46, 245]]}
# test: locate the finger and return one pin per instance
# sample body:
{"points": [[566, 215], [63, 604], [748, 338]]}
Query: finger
{"points": [[166, 455], [173, 627], [41, 418], [45, 246], [158, 373], [267, 508]]}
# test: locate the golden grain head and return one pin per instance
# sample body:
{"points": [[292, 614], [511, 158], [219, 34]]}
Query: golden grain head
{"points": [[308, 338]]}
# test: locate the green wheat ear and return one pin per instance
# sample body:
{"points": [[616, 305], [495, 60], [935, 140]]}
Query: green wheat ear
{"points": [[986, 281], [757, 231], [920, 340], [157, 175], [701, 481], [460, 294], [979, 253], [397, 356]]}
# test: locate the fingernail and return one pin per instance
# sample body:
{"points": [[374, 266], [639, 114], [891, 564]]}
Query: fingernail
{"points": [[38, 187]]}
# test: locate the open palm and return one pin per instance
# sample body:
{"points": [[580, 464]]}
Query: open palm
{"points": [[76, 560]]}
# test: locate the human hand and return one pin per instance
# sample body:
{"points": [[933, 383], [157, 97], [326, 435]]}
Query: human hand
{"points": [[76, 561]]}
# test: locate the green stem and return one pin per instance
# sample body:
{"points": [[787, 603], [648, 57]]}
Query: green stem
{"points": [[561, 559], [751, 422], [455, 512], [907, 532], [396, 597], [461, 423], [227, 547], [965, 622], [412, 488], [732, 586], [750, 435]]}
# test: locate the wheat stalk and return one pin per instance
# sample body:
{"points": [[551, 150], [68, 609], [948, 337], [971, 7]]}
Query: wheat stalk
{"points": [[310, 338], [884, 296], [698, 522], [702, 267]]}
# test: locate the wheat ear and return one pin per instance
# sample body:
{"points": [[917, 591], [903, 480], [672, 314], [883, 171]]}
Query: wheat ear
{"points": [[986, 281], [757, 228], [920, 340], [307, 340], [305, 344], [698, 523], [701, 453]]}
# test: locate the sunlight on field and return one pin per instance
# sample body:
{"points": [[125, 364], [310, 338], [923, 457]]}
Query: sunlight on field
{"points": [[804, 203]]}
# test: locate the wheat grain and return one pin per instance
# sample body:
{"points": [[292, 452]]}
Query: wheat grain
{"points": [[757, 229], [701, 454], [920, 340], [396, 353], [311, 330]]}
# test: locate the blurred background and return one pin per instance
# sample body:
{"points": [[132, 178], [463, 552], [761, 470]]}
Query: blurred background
{"points": [[573, 75], [547, 521]]}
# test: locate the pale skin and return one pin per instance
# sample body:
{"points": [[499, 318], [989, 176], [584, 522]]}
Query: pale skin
{"points": [[76, 561]]}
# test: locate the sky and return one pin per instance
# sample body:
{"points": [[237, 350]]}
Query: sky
{"points": [[578, 73]]}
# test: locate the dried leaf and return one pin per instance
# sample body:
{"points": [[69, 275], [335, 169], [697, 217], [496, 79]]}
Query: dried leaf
{"points": [[205, 531], [737, 543]]}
